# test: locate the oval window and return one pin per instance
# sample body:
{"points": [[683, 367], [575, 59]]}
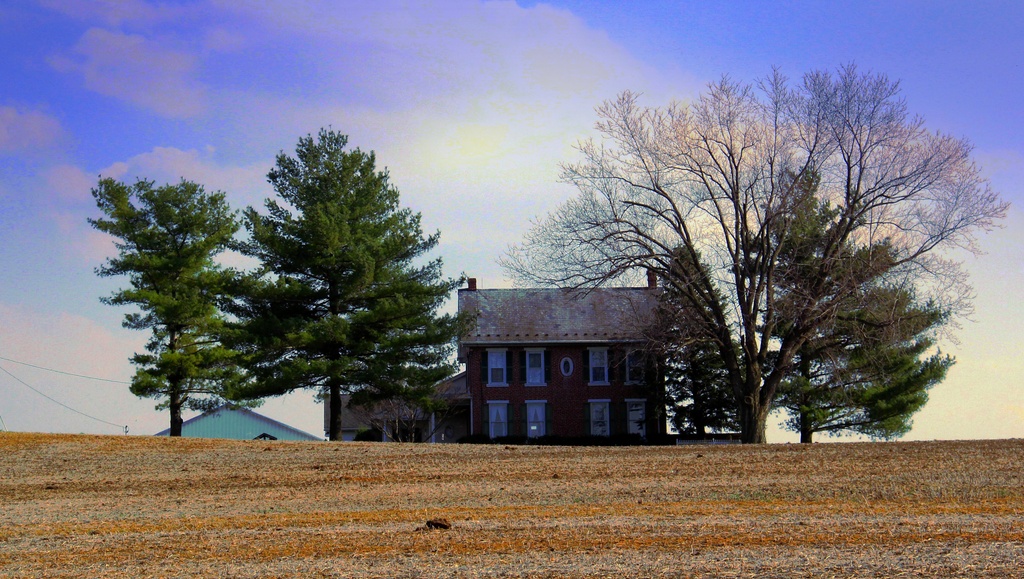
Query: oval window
{"points": [[566, 366]]}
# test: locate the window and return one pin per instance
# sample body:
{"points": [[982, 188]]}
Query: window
{"points": [[634, 367], [599, 419], [599, 365], [536, 418], [636, 417], [566, 366], [497, 415], [535, 368], [497, 369]]}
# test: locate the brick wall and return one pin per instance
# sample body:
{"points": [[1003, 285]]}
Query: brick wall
{"points": [[566, 395]]}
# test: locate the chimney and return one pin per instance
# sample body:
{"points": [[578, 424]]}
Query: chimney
{"points": [[472, 284], [652, 279]]}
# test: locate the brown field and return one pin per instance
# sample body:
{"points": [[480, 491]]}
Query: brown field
{"points": [[104, 506]]}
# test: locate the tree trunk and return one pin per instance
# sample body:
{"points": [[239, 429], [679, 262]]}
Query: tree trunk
{"points": [[334, 390], [806, 428], [175, 398], [176, 421], [806, 431], [333, 385], [753, 417], [697, 419]]}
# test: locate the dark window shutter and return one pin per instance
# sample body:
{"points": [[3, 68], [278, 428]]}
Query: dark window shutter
{"points": [[522, 366], [619, 417], [620, 365], [508, 366], [586, 419], [524, 429], [549, 416], [487, 420], [547, 368], [483, 366], [586, 368]]}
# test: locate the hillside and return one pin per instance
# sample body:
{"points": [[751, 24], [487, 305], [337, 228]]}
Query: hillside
{"points": [[156, 507]]}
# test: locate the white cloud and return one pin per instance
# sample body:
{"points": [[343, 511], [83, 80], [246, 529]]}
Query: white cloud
{"points": [[470, 105], [402, 72], [223, 40], [137, 70], [67, 189], [454, 33], [27, 130], [118, 12], [67, 182], [243, 184]]}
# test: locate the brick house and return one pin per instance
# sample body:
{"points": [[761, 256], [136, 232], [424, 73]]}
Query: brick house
{"points": [[553, 362]]}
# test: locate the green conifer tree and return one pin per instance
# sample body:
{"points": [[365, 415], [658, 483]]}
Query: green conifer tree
{"points": [[167, 238], [864, 370], [870, 373], [344, 301]]}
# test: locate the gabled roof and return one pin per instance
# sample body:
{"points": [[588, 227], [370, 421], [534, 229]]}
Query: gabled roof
{"points": [[506, 316], [237, 423]]}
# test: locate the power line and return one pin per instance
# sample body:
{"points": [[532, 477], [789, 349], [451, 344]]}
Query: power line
{"points": [[64, 373], [58, 402]]}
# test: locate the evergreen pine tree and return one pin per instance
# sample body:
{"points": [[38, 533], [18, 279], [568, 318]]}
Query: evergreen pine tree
{"points": [[167, 238], [870, 373], [862, 371], [344, 301]]}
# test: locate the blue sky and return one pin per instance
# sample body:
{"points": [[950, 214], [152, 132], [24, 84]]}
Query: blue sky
{"points": [[471, 106]]}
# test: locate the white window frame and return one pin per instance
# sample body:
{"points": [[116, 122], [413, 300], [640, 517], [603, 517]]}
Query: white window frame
{"points": [[492, 406], [499, 354], [540, 377], [595, 352], [594, 405], [536, 428], [631, 426], [566, 366]]}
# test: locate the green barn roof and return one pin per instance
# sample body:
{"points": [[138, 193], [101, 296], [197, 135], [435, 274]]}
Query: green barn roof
{"points": [[238, 423]]}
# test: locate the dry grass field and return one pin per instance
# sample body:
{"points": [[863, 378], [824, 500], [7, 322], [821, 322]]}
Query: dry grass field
{"points": [[104, 506]]}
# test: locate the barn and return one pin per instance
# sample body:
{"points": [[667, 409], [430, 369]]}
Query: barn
{"points": [[238, 423]]}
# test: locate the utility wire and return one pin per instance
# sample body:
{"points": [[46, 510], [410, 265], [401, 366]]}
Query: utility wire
{"points": [[58, 402], [64, 373]]}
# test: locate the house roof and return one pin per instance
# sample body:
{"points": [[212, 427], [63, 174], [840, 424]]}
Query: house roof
{"points": [[557, 315]]}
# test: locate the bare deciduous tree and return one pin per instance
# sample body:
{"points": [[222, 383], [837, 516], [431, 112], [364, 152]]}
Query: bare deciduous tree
{"points": [[405, 419], [715, 184]]}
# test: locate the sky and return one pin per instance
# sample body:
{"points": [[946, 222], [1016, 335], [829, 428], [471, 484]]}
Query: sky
{"points": [[471, 106]]}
